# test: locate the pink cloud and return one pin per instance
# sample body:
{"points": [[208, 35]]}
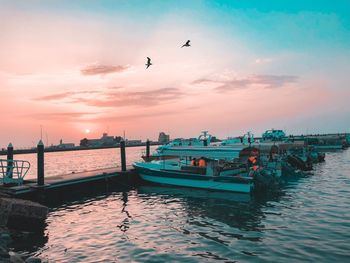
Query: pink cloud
{"points": [[64, 95], [98, 69], [135, 98], [117, 97], [265, 81]]}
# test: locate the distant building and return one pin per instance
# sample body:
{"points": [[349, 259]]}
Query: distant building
{"points": [[163, 138], [118, 139], [65, 145], [105, 140], [84, 142]]}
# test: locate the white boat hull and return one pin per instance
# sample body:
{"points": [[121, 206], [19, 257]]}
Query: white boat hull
{"points": [[207, 184]]}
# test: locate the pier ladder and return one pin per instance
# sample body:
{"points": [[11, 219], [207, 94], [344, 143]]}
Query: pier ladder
{"points": [[13, 171]]}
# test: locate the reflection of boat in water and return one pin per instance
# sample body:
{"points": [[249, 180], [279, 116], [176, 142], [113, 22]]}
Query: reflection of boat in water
{"points": [[241, 211], [184, 192], [226, 169]]}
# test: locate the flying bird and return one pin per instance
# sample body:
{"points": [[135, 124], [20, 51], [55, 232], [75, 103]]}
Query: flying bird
{"points": [[148, 63], [187, 44]]}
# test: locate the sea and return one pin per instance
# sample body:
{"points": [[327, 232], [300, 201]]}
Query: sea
{"points": [[308, 220]]}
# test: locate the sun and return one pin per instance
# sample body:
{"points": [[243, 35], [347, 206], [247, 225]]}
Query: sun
{"points": [[87, 131]]}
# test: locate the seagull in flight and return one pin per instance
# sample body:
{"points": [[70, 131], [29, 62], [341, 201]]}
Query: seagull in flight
{"points": [[187, 44], [148, 63]]}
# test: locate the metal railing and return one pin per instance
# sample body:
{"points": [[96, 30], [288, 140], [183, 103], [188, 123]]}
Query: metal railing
{"points": [[13, 171]]}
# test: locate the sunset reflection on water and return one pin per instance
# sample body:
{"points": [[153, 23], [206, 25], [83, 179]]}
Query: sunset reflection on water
{"points": [[164, 224]]}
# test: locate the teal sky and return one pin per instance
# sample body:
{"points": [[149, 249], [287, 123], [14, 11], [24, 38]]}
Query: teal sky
{"points": [[269, 26]]}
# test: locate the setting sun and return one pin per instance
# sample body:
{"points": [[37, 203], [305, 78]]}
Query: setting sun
{"points": [[87, 131]]}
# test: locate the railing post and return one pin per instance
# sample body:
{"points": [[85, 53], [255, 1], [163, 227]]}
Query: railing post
{"points": [[9, 170], [122, 155], [148, 149], [41, 163]]}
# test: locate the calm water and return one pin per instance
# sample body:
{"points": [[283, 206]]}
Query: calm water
{"points": [[309, 221]]}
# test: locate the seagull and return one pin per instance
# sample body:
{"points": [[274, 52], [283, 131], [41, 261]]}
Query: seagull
{"points": [[148, 63], [187, 44]]}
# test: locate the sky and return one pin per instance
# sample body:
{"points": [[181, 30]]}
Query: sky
{"points": [[77, 69]]}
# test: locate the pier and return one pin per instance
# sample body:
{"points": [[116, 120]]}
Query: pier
{"points": [[76, 148], [13, 184], [65, 180]]}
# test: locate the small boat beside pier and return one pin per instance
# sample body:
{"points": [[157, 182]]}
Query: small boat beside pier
{"points": [[224, 168]]}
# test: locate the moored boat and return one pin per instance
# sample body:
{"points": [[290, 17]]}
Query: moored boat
{"points": [[283, 157], [225, 169], [195, 177]]}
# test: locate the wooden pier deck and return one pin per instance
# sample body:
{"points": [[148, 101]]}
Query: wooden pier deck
{"points": [[72, 179]]}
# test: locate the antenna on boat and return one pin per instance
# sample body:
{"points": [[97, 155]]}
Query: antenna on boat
{"points": [[249, 138]]}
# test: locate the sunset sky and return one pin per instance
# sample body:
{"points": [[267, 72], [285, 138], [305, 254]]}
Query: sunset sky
{"points": [[74, 66]]}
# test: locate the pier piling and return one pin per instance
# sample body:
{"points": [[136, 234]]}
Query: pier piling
{"points": [[122, 155], [148, 149], [41, 164], [9, 170]]}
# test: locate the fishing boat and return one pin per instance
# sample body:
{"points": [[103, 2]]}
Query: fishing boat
{"points": [[225, 169], [326, 143], [204, 139]]}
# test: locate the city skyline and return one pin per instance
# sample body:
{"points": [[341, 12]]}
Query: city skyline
{"points": [[78, 70]]}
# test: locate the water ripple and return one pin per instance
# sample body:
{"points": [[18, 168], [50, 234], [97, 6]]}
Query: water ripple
{"points": [[308, 221]]}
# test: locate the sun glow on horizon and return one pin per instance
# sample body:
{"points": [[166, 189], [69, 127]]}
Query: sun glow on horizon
{"points": [[87, 131]]}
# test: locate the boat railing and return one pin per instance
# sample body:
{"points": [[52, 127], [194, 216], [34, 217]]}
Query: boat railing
{"points": [[13, 171]]}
